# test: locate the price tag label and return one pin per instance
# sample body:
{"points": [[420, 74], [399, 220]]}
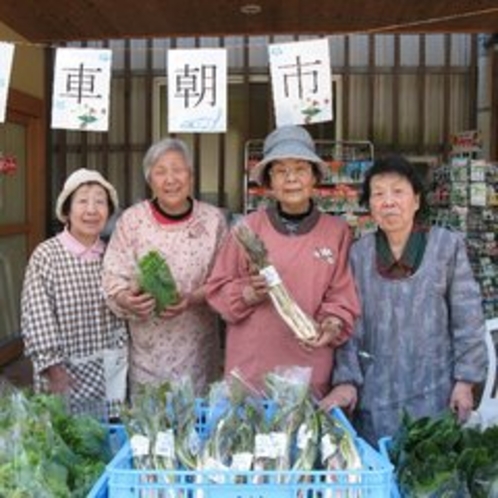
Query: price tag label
{"points": [[280, 444], [165, 444], [263, 446], [271, 275], [328, 447], [139, 445], [213, 465], [242, 461], [304, 435]]}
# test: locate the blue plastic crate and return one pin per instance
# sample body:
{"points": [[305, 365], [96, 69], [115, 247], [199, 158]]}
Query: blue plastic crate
{"points": [[384, 445], [100, 488], [116, 436], [373, 481]]}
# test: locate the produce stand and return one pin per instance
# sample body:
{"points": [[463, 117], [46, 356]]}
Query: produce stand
{"points": [[123, 481], [373, 481]]}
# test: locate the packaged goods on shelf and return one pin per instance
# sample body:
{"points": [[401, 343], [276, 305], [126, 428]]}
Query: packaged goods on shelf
{"points": [[463, 198]]}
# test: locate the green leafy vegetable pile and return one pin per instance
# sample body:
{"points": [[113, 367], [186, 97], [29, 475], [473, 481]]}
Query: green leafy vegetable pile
{"points": [[44, 451], [155, 278], [437, 457]]}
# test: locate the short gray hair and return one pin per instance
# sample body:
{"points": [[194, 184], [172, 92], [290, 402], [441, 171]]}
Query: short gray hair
{"points": [[160, 148]]}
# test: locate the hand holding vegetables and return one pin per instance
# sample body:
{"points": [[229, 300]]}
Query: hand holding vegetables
{"points": [[256, 291], [156, 279], [301, 325], [330, 332], [155, 292], [137, 303]]}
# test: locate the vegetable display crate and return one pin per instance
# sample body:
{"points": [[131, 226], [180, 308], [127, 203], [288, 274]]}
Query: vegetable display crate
{"points": [[117, 438], [374, 480], [384, 444], [100, 488]]}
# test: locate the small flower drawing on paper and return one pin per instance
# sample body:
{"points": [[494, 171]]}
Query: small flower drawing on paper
{"points": [[313, 108], [87, 116]]}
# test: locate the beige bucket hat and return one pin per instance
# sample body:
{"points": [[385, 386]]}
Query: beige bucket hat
{"points": [[75, 180]]}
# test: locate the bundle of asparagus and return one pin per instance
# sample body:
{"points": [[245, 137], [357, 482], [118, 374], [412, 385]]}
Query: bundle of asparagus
{"points": [[301, 324]]}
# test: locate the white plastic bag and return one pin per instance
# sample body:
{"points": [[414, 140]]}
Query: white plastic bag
{"points": [[115, 372], [486, 414]]}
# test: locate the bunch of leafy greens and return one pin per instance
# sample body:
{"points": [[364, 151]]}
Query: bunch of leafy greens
{"points": [[155, 278], [438, 457], [233, 421], [45, 451], [183, 414], [148, 419]]}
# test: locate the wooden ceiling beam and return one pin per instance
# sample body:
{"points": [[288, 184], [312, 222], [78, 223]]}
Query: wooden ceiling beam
{"points": [[53, 21]]}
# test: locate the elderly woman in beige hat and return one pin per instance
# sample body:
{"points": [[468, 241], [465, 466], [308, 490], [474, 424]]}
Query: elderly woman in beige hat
{"points": [[76, 344], [182, 339], [309, 250]]}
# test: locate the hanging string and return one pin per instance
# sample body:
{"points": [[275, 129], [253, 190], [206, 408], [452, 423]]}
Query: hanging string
{"points": [[434, 20]]}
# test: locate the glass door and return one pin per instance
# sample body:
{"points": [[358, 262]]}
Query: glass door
{"points": [[22, 208], [13, 226]]}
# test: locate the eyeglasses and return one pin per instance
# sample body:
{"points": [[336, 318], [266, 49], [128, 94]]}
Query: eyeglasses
{"points": [[282, 173]]}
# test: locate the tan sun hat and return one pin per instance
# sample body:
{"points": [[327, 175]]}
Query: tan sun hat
{"points": [[288, 142], [75, 180]]}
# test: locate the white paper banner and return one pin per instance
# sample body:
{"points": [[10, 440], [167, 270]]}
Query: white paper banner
{"points": [[6, 57], [82, 79], [301, 82], [197, 90]]}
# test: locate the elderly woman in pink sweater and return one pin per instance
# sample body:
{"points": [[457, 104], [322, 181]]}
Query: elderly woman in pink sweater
{"points": [[309, 249]]}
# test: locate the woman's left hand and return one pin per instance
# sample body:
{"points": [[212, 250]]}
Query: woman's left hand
{"points": [[176, 309], [329, 332], [462, 400], [344, 396], [196, 297]]}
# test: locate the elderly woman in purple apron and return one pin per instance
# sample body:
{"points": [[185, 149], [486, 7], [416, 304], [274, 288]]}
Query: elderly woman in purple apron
{"points": [[419, 344]]}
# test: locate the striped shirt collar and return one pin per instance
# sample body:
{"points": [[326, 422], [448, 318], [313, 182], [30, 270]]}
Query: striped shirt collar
{"points": [[75, 247]]}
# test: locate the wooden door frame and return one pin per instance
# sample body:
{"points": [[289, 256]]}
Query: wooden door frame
{"points": [[493, 146], [28, 111]]}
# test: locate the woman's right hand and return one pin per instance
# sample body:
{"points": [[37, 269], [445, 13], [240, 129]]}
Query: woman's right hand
{"points": [[343, 395], [59, 379], [140, 304], [256, 291]]}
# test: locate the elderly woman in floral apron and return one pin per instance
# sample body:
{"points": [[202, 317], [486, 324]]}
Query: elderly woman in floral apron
{"points": [[183, 338], [78, 347]]}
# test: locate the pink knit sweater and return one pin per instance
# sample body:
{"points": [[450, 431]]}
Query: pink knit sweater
{"points": [[314, 267]]}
